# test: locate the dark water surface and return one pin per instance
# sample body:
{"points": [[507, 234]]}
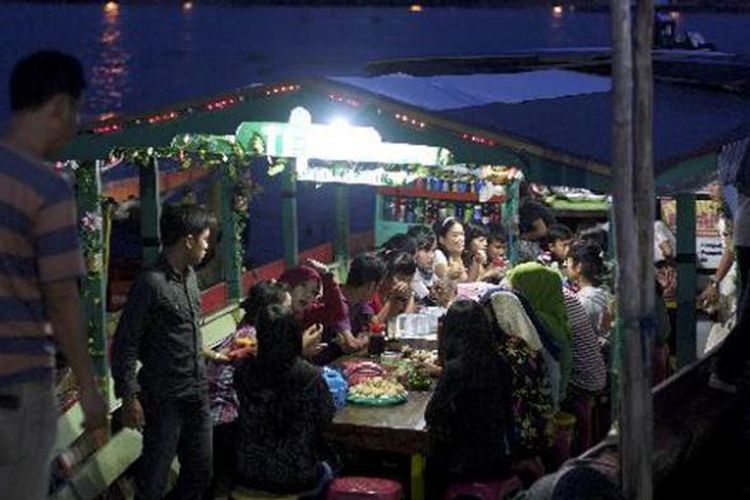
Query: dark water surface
{"points": [[141, 57]]}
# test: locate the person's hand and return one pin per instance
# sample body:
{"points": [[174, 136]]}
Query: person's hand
{"points": [[132, 413], [480, 258], [95, 409], [311, 337], [401, 290], [318, 266], [350, 344]]}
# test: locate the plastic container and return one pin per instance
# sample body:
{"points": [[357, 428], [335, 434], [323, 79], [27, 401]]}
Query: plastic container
{"points": [[337, 385]]}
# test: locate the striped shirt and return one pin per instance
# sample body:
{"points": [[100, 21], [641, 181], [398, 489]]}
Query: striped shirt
{"points": [[589, 371], [38, 244]]}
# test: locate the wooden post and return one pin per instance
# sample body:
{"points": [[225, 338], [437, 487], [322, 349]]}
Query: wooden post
{"points": [[93, 287], [634, 451], [150, 211], [686, 279], [289, 214], [510, 220], [231, 264], [342, 224], [639, 373]]}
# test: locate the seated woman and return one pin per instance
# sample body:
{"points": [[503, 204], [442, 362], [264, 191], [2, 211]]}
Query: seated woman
{"points": [[475, 256], [304, 283], [542, 288], [581, 360], [220, 367], [285, 406], [449, 262], [395, 295], [469, 415], [523, 349]]}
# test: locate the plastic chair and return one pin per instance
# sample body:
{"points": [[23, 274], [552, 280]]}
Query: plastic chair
{"points": [[485, 490], [364, 488]]}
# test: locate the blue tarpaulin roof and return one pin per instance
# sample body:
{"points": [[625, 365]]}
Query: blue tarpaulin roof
{"points": [[573, 117]]}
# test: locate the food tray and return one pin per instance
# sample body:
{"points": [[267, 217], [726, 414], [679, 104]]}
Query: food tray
{"points": [[386, 401]]}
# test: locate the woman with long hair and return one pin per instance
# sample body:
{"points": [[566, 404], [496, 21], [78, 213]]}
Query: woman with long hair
{"points": [[285, 406], [449, 256], [469, 414]]}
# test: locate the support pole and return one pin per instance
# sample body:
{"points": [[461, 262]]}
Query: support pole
{"points": [[342, 224], [510, 220], [150, 211], [686, 279], [635, 451], [231, 264], [640, 352], [93, 287], [289, 215]]}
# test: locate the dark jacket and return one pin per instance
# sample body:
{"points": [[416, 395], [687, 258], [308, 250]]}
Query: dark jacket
{"points": [[281, 423], [468, 420], [159, 327]]}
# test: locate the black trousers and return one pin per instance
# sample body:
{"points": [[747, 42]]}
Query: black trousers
{"points": [[175, 427], [735, 350]]}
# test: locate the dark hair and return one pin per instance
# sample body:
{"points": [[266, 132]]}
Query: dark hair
{"points": [[260, 296], [558, 232], [37, 78], [424, 236], [401, 263], [588, 255], [467, 334], [366, 268], [397, 243], [442, 228], [496, 233], [476, 231], [279, 340], [179, 221]]}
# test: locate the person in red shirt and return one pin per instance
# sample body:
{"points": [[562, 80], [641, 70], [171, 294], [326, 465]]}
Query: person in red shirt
{"points": [[313, 311]]}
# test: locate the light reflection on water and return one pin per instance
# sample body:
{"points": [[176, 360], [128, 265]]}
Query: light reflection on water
{"points": [[109, 76], [143, 57]]}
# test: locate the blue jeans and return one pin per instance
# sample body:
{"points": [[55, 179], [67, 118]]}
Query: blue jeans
{"points": [[181, 428]]}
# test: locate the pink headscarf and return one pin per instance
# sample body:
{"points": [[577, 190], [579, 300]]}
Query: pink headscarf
{"points": [[297, 275]]}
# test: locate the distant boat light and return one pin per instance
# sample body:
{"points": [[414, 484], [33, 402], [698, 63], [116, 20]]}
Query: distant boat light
{"points": [[557, 10], [111, 7], [187, 5], [415, 8]]}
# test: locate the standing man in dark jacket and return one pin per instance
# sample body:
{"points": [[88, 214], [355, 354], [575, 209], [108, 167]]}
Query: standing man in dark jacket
{"points": [[159, 327]]}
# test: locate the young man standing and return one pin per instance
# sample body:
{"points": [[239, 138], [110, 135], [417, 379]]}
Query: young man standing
{"points": [[159, 327], [40, 264]]}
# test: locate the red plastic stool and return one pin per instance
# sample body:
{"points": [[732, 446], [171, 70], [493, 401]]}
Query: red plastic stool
{"points": [[485, 490], [364, 488]]}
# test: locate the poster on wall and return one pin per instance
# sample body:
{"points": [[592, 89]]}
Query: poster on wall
{"points": [[707, 238]]}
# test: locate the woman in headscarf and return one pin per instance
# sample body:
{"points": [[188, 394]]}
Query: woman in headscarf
{"points": [[542, 287], [532, 396]]}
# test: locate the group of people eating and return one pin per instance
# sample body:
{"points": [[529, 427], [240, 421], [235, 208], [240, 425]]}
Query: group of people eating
{"points": [[534, 344]]}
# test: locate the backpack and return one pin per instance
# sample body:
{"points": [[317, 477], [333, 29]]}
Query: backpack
{"points": [[734, 165]]}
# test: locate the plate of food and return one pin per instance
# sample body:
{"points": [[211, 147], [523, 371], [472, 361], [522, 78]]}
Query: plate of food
{"points": [[377, 391]]}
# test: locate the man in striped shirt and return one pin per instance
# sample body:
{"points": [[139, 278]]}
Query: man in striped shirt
{"points": [[40, 264]]}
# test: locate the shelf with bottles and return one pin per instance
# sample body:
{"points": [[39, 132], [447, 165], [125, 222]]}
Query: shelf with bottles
{"points": [[439, 189], [421, 210]]}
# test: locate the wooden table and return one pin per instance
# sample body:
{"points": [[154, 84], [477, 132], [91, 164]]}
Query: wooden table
{"points": [[395, 429]]}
